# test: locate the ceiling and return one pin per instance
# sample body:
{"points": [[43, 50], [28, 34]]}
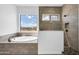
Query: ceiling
{"points": [[53, 5]]}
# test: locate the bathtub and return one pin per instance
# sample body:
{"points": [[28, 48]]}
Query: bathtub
{"points": [[23, 38]]}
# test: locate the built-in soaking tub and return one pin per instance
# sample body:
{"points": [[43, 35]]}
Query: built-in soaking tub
{"points": [[22, 39]]}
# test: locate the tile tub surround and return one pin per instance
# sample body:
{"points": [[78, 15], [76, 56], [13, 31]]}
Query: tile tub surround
{"points": [[18, 48]]}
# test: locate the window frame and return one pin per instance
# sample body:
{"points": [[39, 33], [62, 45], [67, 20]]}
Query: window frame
{"points": [[44, 15], [58, 18], [50, 19], [28, 15]]}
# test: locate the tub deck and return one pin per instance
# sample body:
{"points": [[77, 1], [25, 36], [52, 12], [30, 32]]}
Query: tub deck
{"points": [[18, 48]]}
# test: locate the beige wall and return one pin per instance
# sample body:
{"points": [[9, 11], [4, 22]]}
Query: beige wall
{"points": [[47, 25], [71, 11]]}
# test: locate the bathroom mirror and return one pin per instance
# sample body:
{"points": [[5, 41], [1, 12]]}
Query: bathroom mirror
{"points": [[28, 23]]}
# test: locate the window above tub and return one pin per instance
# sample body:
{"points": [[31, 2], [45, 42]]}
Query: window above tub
{"points": [[28, 23]]}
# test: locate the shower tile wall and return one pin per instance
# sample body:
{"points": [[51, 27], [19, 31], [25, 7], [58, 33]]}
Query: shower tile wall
{"points": [[71, 10], [46, 25], [78, 27]]}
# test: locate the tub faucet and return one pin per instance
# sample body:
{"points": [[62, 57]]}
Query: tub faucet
{"points": [[9, 39]]}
